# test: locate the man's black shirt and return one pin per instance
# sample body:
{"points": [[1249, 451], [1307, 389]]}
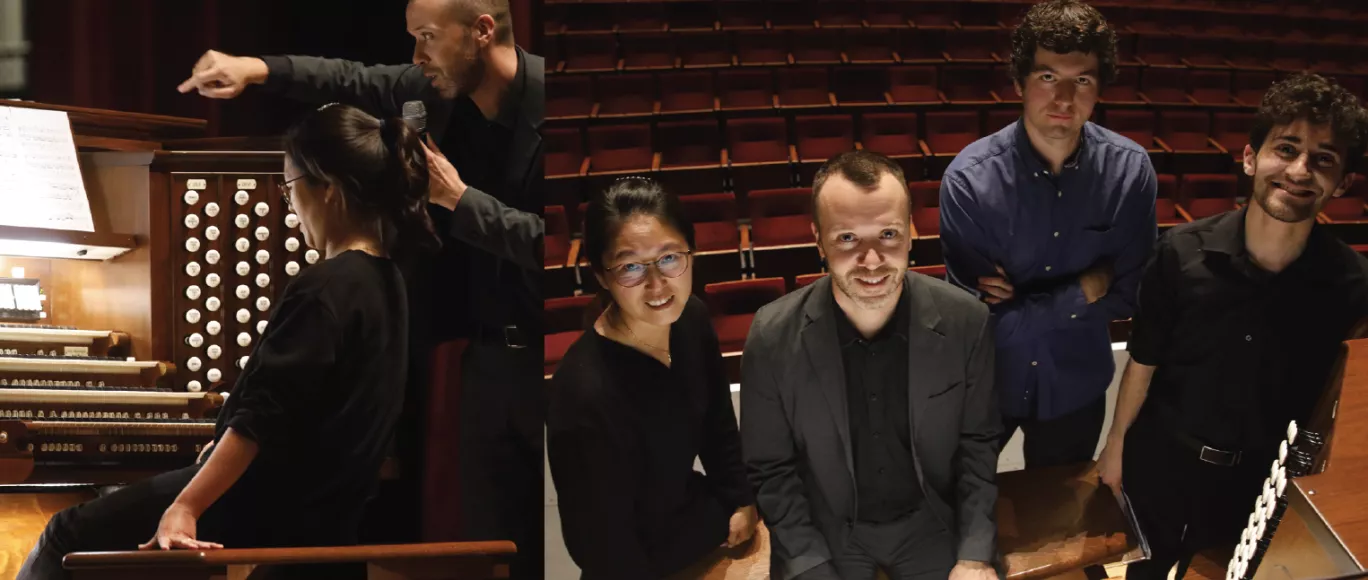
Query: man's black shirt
{"points": [[880, 425], [1241, 351]]}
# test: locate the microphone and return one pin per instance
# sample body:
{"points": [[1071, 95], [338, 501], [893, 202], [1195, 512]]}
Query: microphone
{"points": [[415, 116]]}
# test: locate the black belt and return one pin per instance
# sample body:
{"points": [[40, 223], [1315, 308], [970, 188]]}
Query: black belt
{"points": [[1207, 453], [510, 336]]}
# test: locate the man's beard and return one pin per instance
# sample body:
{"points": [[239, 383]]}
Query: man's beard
{"points": [[851, 288], [1283, 212]]}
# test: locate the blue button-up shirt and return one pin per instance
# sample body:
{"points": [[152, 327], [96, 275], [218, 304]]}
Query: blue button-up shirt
{"points": [[1001, 205]]}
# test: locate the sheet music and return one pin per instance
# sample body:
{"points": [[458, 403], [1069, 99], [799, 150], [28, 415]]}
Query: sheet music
{"points": [[40, 179]]}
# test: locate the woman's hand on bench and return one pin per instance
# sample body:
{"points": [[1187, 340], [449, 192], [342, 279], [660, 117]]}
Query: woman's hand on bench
{"points": [[177, 530]]}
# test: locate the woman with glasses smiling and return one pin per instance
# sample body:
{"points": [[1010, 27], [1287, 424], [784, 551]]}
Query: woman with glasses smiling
{"points": [[300, 441], [638, 397]]}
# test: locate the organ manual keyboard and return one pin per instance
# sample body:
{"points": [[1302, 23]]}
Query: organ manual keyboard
{"points": [[141, 324]]}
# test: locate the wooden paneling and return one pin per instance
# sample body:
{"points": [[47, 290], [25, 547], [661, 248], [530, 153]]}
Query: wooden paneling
{"points": [[22, 518]]}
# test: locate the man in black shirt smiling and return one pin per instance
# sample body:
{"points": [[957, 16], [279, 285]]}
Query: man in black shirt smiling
{"points": [[1239, 321]]}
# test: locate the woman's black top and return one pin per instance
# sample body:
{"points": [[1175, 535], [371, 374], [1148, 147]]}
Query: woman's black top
{"points": [[321, 395], [623, 433]]}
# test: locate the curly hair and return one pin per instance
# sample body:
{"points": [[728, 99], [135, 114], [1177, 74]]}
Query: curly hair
{"points": [[1063, 26], [1319, 101]]}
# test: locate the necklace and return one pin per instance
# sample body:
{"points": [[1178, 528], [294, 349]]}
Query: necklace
{"points": [[668, 359]]}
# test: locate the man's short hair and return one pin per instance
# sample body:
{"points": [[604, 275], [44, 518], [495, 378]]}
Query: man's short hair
{"points": [[863, 168], [1063, 26], [1320, 101], [466, 11]]}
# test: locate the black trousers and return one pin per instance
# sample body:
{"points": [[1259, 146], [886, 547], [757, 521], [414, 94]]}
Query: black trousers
{"points": [[502, 464], [915, 547], [1064, 440], [123, 519], [1184, 505]]}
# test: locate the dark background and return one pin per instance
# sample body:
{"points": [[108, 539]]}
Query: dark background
{"points": [[129, 55]]}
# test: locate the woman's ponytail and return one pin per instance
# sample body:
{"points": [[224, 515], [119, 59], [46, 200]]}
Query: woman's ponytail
{"points": [[408, 185]]}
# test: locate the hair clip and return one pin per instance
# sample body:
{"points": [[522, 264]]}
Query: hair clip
{"points": [[328, 105], [631, 177]]}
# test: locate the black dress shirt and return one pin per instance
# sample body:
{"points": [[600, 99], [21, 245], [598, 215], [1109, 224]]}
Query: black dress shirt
{"points": [[880, 425], [1240, 351], [623, 432]]}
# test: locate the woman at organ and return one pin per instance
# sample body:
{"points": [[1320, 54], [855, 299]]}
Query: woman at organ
{"points": [[301, 438], [627, 418]]}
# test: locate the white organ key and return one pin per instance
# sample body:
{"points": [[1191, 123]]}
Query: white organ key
{"points": [[263, 280], [263, 303], [243, 268], [212, 256], [214, 351], [242, 221], [261, 327], [191, 221], [211, 209], [191, 197], [215, 375], [291, 244], [212, 303], [213, 327], [262, 233], [244, 339], [243, 292], [192, 316], [192, 292], [1281, 486], [192, 269], [211, 233], [212, 280], [262, 209], [1273, 471], [193, 386], [1292, 433], [291, 221], [193, 364], [192, 244], [242, 363], [244, 316], [291, 268], [242, 197], [195, 340], [262, 256], [242, 245], [1282, 453], [311, 256]]}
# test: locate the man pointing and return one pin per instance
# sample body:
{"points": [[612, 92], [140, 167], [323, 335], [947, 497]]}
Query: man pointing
{"points": [[484, 98]]}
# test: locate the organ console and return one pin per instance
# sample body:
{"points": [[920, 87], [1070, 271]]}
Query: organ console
{"points": [[118, 346]]}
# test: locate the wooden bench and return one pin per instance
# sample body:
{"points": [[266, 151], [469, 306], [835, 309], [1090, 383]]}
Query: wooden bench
{"points": [[436, 561]]}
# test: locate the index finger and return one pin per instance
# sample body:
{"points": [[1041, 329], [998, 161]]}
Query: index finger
{"points": [[199, 79]]}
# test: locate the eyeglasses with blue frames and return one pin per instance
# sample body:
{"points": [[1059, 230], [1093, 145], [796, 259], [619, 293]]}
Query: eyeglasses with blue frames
{"points": [[670, 265]]}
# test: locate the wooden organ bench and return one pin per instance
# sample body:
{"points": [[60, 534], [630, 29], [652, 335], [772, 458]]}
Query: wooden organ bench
{"points": [[436, 561]]}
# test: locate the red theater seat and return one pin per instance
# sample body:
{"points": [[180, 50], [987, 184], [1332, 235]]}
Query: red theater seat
{"points": [[557, 240], [638, 17], [914, 85], [743, 15], [780, 217], [1205, 195], [1125, 90], [713, 216], [690, 154], [1187, 132], [590, 53], [937, 271], [804, 87], [654, 51], [1349, 207], [969, 85], [555, 347], [1137, 126], [569, 97], [687, 92], [926, 222], [860, 86], [745, 90], [1166, 210], [564, 323], [1205, 52], [1231, 131], [948, 133], [1159, 50], [618, 149], [761, 48], [626, 95], [807, 280], [705, 49], [818, 46], [565, 154], [925, 194], [1211, 88], [821, 137], [973, 46], [1164, 86], [896, 136], [691, 16], [838, 14], [758, 153], [1251, 86], [733, 306], [885, 14], [919, 46], [873, 46]]}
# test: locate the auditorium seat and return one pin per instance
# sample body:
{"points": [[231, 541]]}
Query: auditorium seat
{"points": [[860, 86], [717, 237], [615, 150], [704, 49], [1248, 55], [1125, 90], [805, 280], [780, 217], [999, 119], [874, 46], [690, 154], [817, 46], [594, 19], [1164, 86], [1187, 132], [1167, 213], [805, 87], [1004, 86], [838, 14], [739, 90], [1211, 88], [761, 48], [914, 85], [931, 15], [649, 52], [1205, 52], [569, 97], [590, 53], [1231, 131], [687, 92], [758, 154], [1291, 57], [974, 46], [691, 16], [557, 238], [743, 15], [894, 135], [626, 95], [937, 271], [638, 17], [968, 85], [565, 314], [818, 138], [949, 132], [791, 14], [1159, 50], [916, 46], [1205, 195], [1136, 125], [733, 305], [926, 222], [885, 14], [924, 194], [1349, 208], [1250, 86], [565, 164]]}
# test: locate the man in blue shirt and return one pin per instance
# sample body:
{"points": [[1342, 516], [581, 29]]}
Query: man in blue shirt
{"points": [[1050, 221]]}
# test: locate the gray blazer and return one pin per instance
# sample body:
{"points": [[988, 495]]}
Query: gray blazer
{"points": [[795, 431]]}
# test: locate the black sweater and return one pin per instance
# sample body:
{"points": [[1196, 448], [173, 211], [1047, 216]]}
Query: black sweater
{"points": [[623, 433]]}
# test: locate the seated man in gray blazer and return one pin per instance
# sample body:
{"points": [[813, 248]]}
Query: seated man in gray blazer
{"points": [[869, 423]]}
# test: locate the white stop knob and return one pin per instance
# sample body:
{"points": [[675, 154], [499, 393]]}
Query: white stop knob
{"points": [[212, 280], [242, 197], [215, 375], [211, 233], [192, 292], [211, 209], [192, 269], [213, 327], [212, 256], [191, 197], [192, 316], [192, 221], [192, 244], [292, 268], [193, 386]]}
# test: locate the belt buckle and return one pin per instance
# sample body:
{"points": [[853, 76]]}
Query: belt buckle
{"points": [[513, 337], [1235, 456]]}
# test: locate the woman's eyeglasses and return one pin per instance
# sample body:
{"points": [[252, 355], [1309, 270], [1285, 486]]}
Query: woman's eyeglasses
{"points": [[285, 190], [631, 274]]}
